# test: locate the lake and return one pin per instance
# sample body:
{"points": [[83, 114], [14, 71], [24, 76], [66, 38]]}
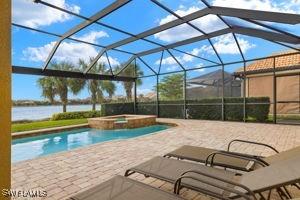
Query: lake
{"points": [[42, 112]]}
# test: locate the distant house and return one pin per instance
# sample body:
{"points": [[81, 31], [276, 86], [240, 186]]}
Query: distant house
{"points": [[210, 85], [259, 81]]}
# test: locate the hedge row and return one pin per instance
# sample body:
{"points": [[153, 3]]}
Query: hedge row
{"points": [[117, 108], [210, 109], [75, 115]]}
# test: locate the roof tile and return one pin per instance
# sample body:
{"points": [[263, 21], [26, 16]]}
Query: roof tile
{"points": [[280, 62]]}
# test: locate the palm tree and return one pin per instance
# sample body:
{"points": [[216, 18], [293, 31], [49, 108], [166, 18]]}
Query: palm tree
{"points": [[60, 86], [133, 71], [48, 88], [97, 87], [109, 87], [63, 85]]}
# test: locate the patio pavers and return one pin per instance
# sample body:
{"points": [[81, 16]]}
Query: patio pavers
{"points": [[66, 173]]}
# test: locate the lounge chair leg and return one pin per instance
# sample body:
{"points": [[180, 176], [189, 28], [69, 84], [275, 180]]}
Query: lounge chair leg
{"points": [[178, 190], [177, 187], [287, 192], [281, 194], [297, 186], [261, 196], [269, 195], [128, 173]]}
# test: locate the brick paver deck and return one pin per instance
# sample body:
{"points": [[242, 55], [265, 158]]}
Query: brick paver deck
{"points": [[66, 173]]}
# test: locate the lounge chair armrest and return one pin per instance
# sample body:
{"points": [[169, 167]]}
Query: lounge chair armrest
{"points": [[250, 142], [235, 155], [187, 175]]}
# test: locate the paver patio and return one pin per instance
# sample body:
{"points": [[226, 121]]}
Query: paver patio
{"points": [[66, 173]]}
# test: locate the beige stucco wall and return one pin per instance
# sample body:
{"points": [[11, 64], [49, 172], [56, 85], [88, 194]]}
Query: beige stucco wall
{"points": [[287, 90], [5, 96]]}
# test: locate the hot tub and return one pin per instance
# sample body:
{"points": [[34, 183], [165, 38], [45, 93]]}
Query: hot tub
{"points": [[122, 121]]}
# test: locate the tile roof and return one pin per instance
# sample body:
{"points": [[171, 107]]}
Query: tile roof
{"points": [[281, 63]]}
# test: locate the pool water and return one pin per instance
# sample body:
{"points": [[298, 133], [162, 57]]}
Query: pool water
{"points": [[33, 147]]}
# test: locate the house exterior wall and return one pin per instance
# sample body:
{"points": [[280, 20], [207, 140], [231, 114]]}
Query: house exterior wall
{"points": [[287, 90], [5, 97]]}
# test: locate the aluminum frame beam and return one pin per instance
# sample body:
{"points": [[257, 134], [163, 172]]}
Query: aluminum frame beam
{"points": [[70, 38], [235, 29], [184, 42], [155, 73], [104, 12], [270, 27], [233, 12], [95, 61], [267, 35], [286, 18], [176, 60], [126, 64], [250, 15], [67, 74], [189, 23], [113, 28]]}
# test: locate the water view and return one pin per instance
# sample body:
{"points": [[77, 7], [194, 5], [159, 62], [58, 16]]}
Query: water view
{"points": [[42, 112]]}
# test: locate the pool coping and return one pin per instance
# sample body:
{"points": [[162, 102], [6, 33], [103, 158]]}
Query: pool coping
{"points": [[171, 125], [24, 134]]}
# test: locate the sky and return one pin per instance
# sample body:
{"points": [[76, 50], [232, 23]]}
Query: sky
{"points": [[30, 49]]}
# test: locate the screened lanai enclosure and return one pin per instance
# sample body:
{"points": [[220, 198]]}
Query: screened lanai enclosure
{"points": [[202, 61]]}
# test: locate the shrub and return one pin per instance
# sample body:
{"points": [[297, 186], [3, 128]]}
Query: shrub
{"points": [[260, 111], [75, 115], [117, 108], [210, 112], [171, 111], [146, 108], [211, 108]]}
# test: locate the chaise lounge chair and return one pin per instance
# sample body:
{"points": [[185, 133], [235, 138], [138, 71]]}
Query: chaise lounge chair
{"points": [[221, 183], [122, 188], [229, 159]]}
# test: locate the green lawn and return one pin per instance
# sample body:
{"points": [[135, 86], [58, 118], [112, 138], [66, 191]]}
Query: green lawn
{"points": [[45, 124]]}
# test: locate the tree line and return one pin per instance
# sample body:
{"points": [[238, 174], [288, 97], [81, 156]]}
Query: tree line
{"points": [[60, 87], [170, 86]]}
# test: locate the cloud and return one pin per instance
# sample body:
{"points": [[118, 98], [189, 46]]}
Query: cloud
{"points": [[288, 6], [225, 44], [188, 58], [185, 58], [92, 36], [211, 23], [31, 14], [200, 70], [198, 66], [173, 68], [168, 61], [70, 51], [207, 23], [180, 32]]}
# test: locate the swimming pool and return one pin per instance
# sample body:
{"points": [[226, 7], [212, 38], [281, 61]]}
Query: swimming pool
{"points": [[33, 147]]}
